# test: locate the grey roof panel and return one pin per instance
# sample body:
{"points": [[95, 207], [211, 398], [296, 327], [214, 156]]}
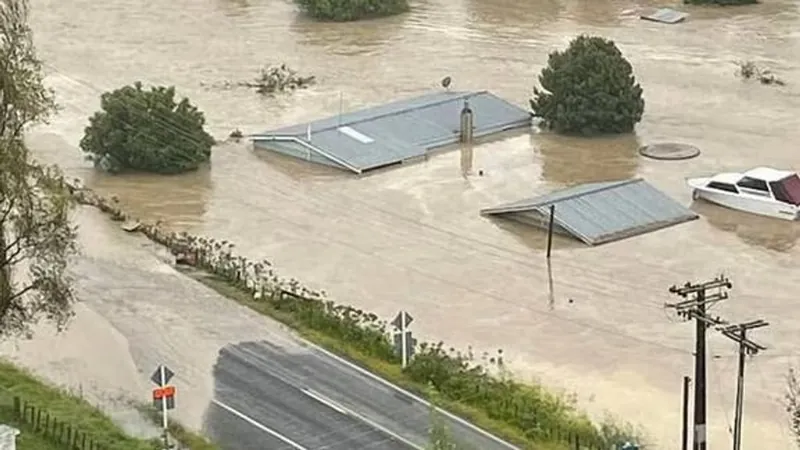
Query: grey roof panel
{"points": [[400, 130], [601, 212]]}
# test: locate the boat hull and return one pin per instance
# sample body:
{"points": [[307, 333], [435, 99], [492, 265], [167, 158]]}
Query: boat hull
{"points": [[746, 203]]}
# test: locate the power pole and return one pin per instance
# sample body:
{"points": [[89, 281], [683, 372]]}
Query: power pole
{"points": [[694, 307], [738, 333]]}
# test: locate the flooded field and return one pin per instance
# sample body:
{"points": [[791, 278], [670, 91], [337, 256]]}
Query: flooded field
{"points": [[411, 238]]}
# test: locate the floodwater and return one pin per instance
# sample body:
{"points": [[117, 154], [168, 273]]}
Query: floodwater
{"points": [[410, 238]]}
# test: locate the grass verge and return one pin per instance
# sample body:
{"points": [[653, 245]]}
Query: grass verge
{"points": [[186, 438], [390, 372], [58, 405]]}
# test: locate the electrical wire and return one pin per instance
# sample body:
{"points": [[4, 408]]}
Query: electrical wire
{"points": [[321, 204], [521, 258], [471, 239]]}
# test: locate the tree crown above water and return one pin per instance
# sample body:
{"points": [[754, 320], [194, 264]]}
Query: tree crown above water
{"points": [[350, 10], [588, 89], [720, 2], [146, 131]]}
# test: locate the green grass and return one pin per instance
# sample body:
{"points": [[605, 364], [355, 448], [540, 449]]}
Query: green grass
{"points": [[187, 438], [390, 372], [60, 406], [78, 413]]}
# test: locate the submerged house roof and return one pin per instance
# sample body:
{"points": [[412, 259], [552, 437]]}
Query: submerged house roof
{"points": [[596, 213], [392, 133]]}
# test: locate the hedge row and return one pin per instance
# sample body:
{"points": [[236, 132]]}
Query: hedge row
{"points": [[529, 412]]}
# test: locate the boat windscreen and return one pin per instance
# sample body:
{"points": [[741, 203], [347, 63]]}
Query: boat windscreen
{"points": [[788, 190]]}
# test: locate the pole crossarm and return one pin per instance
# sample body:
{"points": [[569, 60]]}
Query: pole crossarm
{"points": [[696, 299], [738, 334]]}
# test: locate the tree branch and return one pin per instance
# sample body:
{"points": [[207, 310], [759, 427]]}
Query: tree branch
{"points": [[11, 298]]}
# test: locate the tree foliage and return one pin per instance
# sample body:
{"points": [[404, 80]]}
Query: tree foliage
{"points": [[146, 131], [588, 89], [720, 2], [36, 237], [350, 10]]}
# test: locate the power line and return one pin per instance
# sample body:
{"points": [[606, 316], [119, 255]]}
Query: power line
{"points": [[523, 258]]}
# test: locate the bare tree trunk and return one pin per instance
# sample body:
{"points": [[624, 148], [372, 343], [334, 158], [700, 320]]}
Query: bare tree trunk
{"points": [[6, 292]]}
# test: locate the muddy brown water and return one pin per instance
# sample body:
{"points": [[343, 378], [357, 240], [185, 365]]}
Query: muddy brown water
{"points": [[411, 237]]}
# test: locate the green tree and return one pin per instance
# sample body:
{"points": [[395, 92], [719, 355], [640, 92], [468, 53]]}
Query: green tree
{"points": [[588, 89], [350, 10], [146, 131], [36, 237], [720, 2]]}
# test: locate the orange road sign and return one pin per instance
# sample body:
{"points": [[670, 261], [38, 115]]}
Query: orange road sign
{"points": [[163, 392]]}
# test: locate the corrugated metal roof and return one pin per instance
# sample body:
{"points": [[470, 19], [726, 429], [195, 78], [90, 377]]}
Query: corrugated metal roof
{"points": [[398, 131], [602, 212]]}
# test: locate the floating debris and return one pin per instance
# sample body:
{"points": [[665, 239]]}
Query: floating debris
{"points": [[279, 78], [748, 70], [131, 227], [665, 15], [270, 79]]}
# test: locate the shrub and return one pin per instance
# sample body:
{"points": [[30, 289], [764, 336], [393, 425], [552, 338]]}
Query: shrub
{"points": [[588, 89], [720, 2], [147, 131], [350, 10]]}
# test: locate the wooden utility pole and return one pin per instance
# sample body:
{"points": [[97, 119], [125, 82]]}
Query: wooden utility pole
{"points": [[694, 307], [738, 333]]}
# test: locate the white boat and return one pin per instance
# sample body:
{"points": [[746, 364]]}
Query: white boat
{"points": [[763, 190]]}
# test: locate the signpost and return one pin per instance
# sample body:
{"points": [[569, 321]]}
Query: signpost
{"points": [[163, 396], [404, 341]]}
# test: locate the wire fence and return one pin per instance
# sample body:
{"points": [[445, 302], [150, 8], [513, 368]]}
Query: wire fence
{"points": [[54, 429]]}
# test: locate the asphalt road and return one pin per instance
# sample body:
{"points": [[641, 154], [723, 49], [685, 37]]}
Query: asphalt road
{"points": [[267, 398]]}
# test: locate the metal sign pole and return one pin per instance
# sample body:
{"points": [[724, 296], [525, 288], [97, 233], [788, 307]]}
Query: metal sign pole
{"points": [[163, 398], [164, 420], [403, 340]]}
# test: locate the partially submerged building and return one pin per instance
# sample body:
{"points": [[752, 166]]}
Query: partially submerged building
{"points": [[393, 133], [596, 213]]}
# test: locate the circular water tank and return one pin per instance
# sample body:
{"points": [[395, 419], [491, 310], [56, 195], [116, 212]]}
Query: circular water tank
{"points": [[669, 151]]}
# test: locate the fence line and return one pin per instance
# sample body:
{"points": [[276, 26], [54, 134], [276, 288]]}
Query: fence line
{"points": [[51, 428]]}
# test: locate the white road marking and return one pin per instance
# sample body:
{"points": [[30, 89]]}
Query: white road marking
{"points": [[409, 394], [261, 427], [324, 400], [349, 412], [384, 429]]}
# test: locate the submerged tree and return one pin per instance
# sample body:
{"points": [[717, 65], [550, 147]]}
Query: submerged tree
{"points": [[147, 131], [588, 89], [720, 2], [349, 10], [36, 237]]}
